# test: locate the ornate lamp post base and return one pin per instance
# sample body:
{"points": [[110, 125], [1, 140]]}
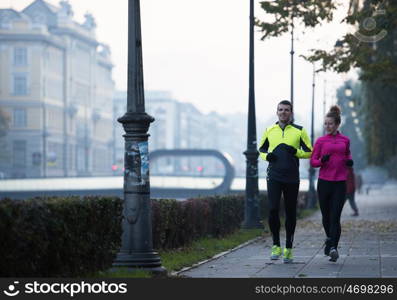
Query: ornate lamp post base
{"points": [[147, 261]]}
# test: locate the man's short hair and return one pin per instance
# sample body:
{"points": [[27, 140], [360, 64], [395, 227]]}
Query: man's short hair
{"points": [[285, 102]]}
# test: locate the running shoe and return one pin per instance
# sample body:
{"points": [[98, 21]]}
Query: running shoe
{"points": [[276, 252], [288, 257], [333, 254]]}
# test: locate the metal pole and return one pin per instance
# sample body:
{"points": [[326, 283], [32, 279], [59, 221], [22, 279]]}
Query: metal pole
{"points": [[312, 193], [292, 52], [114, 137], [137, 244], [292, 61], [86, 142], [65, 117], [45, 133], [252, 210], [324, 102]]}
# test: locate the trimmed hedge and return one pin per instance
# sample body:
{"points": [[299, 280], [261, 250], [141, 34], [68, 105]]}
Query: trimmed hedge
{"points": [[59, 237], [73, 236], [178, 223]]}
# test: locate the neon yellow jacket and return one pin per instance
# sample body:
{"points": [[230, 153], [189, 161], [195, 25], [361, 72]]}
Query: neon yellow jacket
{"points": [[275, 140]]}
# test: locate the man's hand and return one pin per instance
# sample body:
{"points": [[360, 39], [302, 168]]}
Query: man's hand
{"points": [[271, 157], [349, 163], [325, 158]]}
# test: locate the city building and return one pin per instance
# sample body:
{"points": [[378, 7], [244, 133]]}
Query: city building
{"points": [[56, 88]]}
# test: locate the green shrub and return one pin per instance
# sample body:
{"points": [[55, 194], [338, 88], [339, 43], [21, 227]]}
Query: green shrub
{"points": [[59, 237], [73, 236], [178, 223]]}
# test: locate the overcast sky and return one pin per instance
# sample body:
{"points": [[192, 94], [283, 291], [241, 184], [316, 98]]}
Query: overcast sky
{"points": [[198, 50]]}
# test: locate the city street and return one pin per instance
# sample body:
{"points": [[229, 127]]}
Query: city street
{"points": [[367, 247]]}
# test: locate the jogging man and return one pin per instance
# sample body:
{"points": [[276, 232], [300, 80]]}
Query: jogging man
{"points": [[282, 145]]}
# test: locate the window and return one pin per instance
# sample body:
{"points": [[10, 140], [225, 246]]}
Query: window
{"points": [[71, 162], [20, 56], [19, 154], [55, 155], [80, 158], [20, 84], [5, 20], [19, 118]]}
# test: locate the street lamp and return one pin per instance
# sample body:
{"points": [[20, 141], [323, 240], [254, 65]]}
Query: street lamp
{"points": [[292, 60], [312, 193], [348, 92], [137, 244], [324, 101], [251, 215]]}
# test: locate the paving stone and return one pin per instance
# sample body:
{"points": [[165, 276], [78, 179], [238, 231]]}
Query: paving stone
{"points": [[389, 266]]}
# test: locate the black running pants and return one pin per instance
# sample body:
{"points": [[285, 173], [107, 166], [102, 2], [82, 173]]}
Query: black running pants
{"points": [[290, 195], [331, 195]]}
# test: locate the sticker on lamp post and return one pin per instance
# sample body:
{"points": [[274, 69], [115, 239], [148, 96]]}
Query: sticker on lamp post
{"points": [[137, 163]]}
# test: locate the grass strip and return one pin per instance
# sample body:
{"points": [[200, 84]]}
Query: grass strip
{"points": [[205, 248]]}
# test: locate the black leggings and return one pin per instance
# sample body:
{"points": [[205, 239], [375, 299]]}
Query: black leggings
{"points": [[290, 194], [331, 195]]}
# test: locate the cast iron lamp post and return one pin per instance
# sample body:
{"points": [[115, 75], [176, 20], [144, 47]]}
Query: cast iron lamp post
{"points": [[251, 215], [292, 60], [137, 244]]}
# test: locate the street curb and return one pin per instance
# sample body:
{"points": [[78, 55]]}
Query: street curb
{"points": [[216, 256]]}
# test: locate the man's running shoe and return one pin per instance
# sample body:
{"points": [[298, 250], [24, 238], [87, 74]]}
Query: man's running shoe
{"points": [[276, 252], [288, 257], [333, 254], [327, 246]]}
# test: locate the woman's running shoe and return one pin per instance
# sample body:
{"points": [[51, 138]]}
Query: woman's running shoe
{"points": [[327, 246], [333, 254]]}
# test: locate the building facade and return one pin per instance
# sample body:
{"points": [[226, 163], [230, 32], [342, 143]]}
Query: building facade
{"points": [[56, 87]]}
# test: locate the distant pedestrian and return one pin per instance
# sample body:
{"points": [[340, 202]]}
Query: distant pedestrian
{"points": [[359, 182], [282, 145], [368, 189], [351, 190], [332, 154]]}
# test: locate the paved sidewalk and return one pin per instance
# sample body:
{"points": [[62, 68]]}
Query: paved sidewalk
{"points": [[368, 246]]}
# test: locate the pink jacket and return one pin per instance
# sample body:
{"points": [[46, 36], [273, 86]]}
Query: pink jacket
{"points": [[338, 146]]}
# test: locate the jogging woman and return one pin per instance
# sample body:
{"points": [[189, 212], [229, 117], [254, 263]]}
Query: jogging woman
{"points": [[332, 154]]}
